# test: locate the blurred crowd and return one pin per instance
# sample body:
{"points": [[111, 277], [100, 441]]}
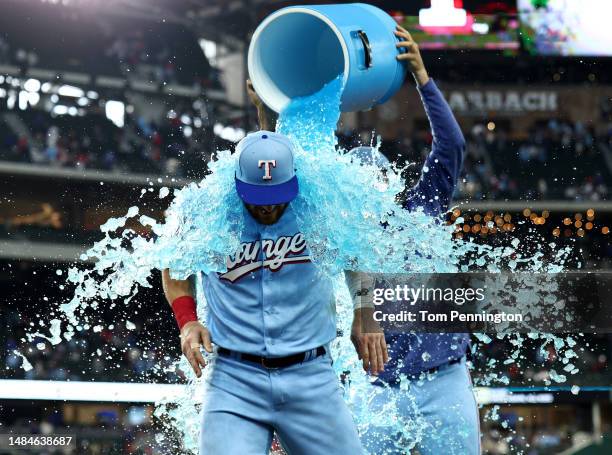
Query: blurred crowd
{"points": [[558, 159], [112, 353], [132, 53], [142, 59], [94, 142], [504, 432], [157, 52], [498, 439]]}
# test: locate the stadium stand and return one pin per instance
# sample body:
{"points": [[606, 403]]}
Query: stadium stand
{"points": [[498, 166], [154, 51]]}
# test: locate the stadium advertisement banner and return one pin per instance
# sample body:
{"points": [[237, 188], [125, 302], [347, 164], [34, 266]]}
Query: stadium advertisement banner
{"points": [[500, 101], [522, 105]]}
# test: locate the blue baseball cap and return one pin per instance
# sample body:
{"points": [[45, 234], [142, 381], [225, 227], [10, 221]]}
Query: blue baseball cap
{"points": [[265, 172], [369, 156]]}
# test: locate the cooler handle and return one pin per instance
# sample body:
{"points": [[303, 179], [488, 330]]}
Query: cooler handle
{"points": [[367, 50]]}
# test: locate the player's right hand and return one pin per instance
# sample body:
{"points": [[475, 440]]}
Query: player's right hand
{"points": [[369, 341], [193, 336]]}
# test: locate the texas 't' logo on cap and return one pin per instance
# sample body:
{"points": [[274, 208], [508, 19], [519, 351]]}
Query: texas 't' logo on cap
{"points": [[265, 170], [266, 165]]}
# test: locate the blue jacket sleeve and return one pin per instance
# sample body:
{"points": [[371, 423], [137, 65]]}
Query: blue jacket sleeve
{"points": [[434, 190]]}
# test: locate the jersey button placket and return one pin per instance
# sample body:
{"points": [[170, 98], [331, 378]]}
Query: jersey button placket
{"points": [[268, 292], [268, 340]]}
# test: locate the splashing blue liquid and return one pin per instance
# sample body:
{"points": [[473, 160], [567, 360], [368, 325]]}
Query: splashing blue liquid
{"points": [[340, 209], [342, 203]]}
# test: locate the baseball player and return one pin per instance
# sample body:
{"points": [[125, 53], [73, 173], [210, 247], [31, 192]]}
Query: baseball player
{"points": [[271, 316], [435, 364]]}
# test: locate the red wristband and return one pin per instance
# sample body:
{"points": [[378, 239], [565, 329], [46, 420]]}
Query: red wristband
{"points": [[184, 310]]}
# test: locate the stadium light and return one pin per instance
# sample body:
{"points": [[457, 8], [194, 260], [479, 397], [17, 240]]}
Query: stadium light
{"points": [[33, 98], [60, 109], [12, 98], [115, 112], [481, 28], [210, 50], [70, 90], [23, 100], [32, 85], [490, 395], [134, 392], [228, 133], [126, 392]]}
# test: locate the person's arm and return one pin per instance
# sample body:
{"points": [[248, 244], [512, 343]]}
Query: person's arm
{"points": [[366, 334], [267, 117], [180, 295], [434, 190]]}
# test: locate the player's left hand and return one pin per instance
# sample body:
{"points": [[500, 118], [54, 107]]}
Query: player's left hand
{"points": [[266, 116], [412, 55], [253, 96], [369, 341]]}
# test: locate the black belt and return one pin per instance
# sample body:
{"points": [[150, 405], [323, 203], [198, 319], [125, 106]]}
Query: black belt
{"points": [[416, 376], [272, 362], [436, 369]]}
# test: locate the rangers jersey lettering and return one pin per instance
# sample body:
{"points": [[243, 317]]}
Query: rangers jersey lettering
{"points": [[276, 253]]}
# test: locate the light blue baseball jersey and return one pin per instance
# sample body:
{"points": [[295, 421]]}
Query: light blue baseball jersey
{"points": [[272, 301]]}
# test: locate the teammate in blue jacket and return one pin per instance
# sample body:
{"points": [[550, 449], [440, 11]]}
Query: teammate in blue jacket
{"points": [[435, 365]]}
